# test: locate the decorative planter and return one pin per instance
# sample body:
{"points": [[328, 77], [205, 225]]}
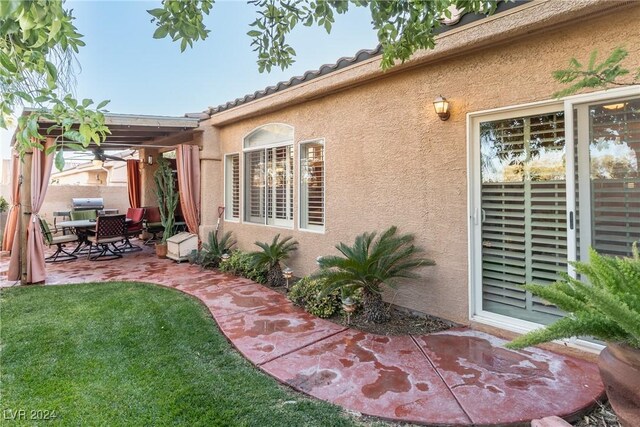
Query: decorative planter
{"points": [[620, 371], [161, 250]]}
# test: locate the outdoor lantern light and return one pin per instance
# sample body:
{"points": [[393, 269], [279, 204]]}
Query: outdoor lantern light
{"points": [[287, 273], [225, 257], [441, 105], [149, 159]]}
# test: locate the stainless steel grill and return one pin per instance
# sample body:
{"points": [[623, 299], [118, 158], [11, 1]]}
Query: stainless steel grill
{"points": [[87, 203]]}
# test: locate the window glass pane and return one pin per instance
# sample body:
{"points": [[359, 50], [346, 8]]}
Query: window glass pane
{"points": [[269, 135], [312, 185]]}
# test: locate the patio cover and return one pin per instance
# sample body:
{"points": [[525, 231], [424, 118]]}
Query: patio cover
{"points": [[160, 133]]}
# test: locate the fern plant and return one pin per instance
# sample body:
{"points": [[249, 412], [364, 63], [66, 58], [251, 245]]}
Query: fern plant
{"points": [[368, 265], [211, 253], [606, 305], [271, 256]]}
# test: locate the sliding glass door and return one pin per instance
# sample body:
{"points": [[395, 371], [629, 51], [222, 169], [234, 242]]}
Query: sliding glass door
{"points": [[548, 183]]}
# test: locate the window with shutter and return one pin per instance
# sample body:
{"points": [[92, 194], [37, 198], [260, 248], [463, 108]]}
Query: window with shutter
{"points": [[232, 186], [312, 185], [269, 176]]}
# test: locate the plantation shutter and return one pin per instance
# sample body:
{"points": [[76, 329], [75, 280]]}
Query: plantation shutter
{"points": [[312, 185], [614, 148], [523, 213], [280, 188], [232, 186], [255, 183]]}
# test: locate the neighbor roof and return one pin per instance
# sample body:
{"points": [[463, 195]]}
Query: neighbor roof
{"points": [[457, 20]]}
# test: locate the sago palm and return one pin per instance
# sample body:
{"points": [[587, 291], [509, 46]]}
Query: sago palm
{"points": [[369, 264], [270, 257], [211, 253]]}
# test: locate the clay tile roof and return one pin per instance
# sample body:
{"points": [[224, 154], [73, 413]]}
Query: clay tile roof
{"points": [[457, 20]]}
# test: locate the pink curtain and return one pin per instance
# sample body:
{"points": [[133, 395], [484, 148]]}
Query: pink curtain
{"points": [[188, 165], [133, 182], [11, 227], [41, 165]]}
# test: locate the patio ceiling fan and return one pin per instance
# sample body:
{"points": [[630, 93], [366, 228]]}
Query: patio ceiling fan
{"points": [[99, 155]]}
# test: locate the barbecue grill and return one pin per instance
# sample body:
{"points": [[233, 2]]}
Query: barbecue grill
{"points": [[87, 203]]}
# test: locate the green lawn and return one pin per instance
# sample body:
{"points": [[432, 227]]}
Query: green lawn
{"points": [[134, 354]]}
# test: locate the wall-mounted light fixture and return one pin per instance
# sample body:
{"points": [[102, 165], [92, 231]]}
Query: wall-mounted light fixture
{"points": [[148, 160], [441, 105]]}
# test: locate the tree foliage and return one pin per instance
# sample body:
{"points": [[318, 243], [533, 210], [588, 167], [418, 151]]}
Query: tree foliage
{"points": [[595, 75], [38, 43]]}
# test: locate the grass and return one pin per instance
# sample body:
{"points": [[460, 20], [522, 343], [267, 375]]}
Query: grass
{"points": [[134, 354]]}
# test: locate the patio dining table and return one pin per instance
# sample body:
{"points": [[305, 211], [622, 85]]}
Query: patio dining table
{"points": [[82, 227]]}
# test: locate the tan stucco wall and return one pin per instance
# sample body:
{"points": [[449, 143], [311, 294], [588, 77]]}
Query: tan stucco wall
{"points": [[59, 197], [390, 160]]}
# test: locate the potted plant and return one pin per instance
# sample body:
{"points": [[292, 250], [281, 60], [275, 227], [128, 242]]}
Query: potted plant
{"points": [[167, 202], [368, 265], [605, 305], [270, 257]]}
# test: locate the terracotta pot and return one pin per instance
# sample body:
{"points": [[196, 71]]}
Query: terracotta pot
{"points": [[620, 371], [161, 250]]}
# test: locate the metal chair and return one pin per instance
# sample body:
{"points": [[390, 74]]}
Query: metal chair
{"points": [[60, 254], [152, 223], [80, 215], [110, 229], [132, 229]]}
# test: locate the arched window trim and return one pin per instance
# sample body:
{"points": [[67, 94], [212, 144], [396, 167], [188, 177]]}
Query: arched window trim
{"points": [[276, 144]]}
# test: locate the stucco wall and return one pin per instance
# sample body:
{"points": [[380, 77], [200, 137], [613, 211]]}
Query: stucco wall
{"points": [[59, 197], [391, 161]]}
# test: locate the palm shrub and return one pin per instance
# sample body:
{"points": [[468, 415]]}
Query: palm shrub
{"points": [[211, 253], [606, 305], [368, 265], [270, 257]]}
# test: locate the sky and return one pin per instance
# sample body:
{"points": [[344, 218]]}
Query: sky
{"points": [[141, 75]]}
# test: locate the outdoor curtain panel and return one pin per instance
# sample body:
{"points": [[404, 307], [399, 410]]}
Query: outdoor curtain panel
{"points": [[11, 227], [188, 163], [133, 182], [41, 165]]}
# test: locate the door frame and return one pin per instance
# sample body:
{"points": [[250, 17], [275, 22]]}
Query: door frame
{"points": [[568, 104]]}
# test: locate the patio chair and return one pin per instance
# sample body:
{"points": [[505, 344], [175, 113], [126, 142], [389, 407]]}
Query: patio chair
{"points": [[152, 223], [60, 241], [80, 215], [110, 229], [132, 229]]}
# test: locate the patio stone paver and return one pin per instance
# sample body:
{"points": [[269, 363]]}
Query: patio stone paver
{"points": [[478, 370], [262, 335], [383, 376], [455, 377], [227, 300]]}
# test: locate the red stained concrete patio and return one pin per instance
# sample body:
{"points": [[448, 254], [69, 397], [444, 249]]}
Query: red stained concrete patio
{"points": [[455, 377]]}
